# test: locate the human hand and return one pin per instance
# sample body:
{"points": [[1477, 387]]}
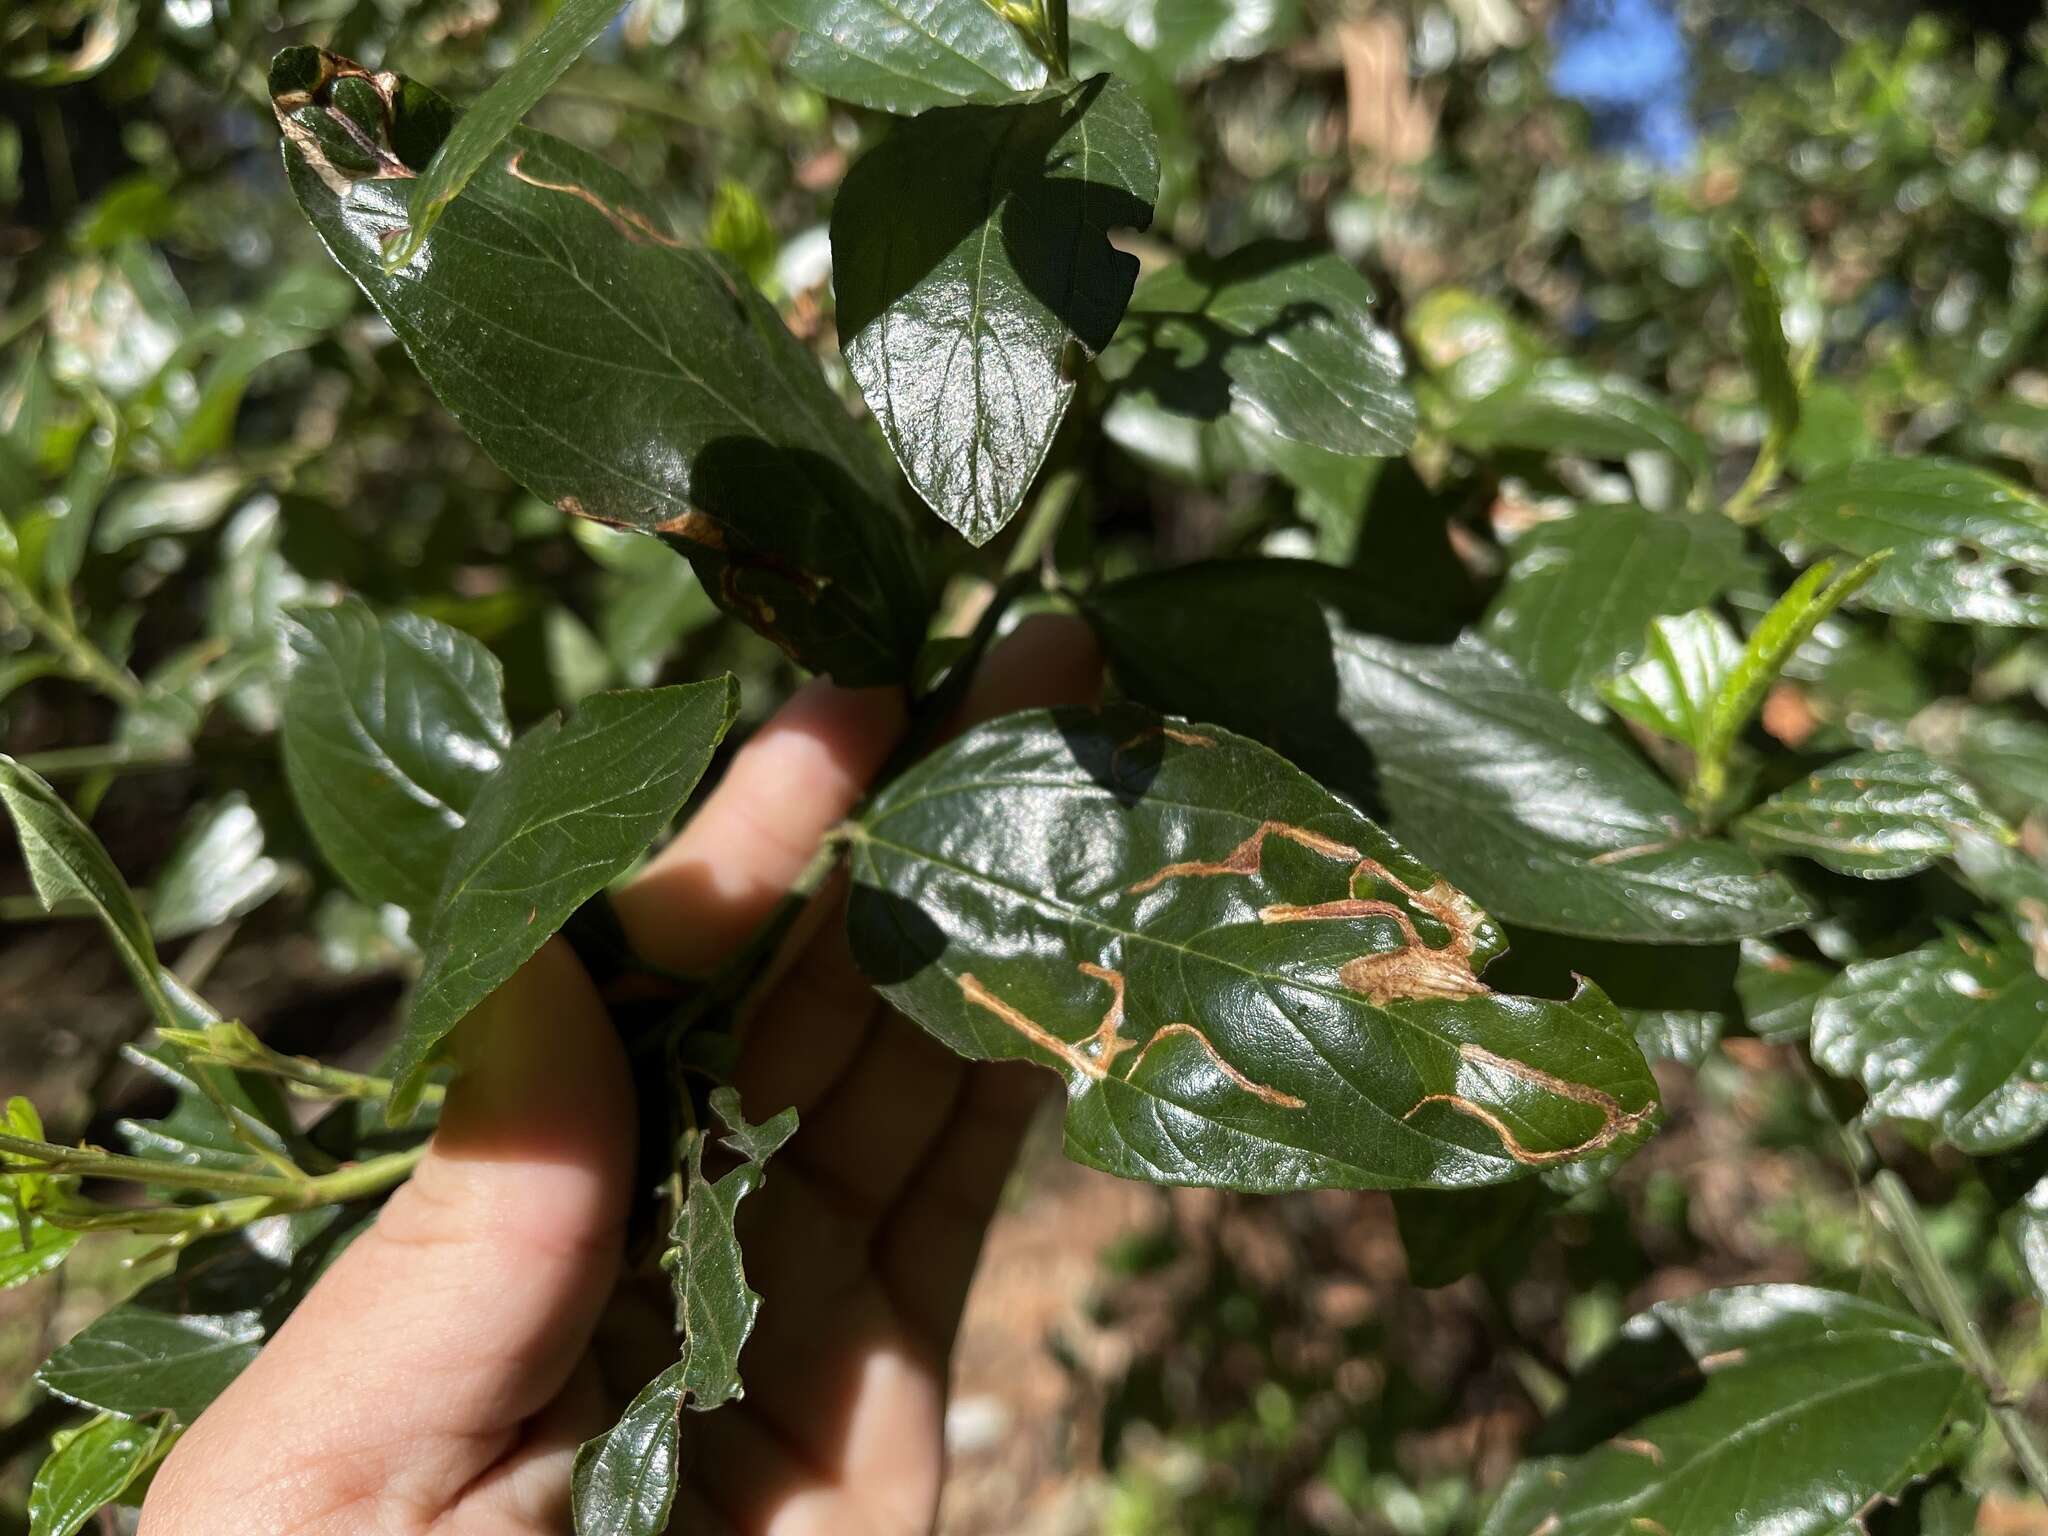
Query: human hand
{"points": [[441, 1375]]}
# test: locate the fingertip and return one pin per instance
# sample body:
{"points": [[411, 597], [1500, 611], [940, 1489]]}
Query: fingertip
{"points": [[1049, 659]]}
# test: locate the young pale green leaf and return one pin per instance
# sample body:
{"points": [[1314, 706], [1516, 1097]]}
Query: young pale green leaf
{"points": [[25, 1254], [1556, 406], [391, 728], [1544, 819], [1581, 588], [909, 57], [1817, 593], [1879, 815], [1778, 991], [715, 1309], [574, 26], [974, 276], [617, 373], [624, 1481], [91, 1467], [217, 871], [1276, 335], [1971, 544], [66, 863], [1763, 339], [1243, 982], [1777, 1408], [1686, 662], [571, 806], [1952, 1036]]}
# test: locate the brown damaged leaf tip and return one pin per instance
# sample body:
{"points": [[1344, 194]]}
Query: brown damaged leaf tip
{"points": [[637, 229], [1093, 1056], [1615, 1121]]}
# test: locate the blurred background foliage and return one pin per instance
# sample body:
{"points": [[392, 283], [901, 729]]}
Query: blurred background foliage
{"points": [[201, 421]]}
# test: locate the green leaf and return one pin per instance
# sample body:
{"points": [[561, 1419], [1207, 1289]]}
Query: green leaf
{"points": [[1763, 339], [391, 729], [1581, 588], [1243, 981], [2004, 755], [1448, 1234], [1952, 1036], [139, 1360], [1968, 541], [974, 276], [1686, 662], [1185, 38], [26, 1254], [1775, 1408], [574, 26], [218, 1118], [1275, 335], [715, 1309], [1542, 818], [624, 1482], [1778, 991], [2026, 1227], [216, 872], [910, 57], [66, 863], [1879, 815], [1555, 406], [570, 808], [577, 380], [90, 1468]]}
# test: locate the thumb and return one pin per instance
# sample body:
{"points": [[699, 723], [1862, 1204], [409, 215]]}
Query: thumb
{"points": [[411, 1365]]}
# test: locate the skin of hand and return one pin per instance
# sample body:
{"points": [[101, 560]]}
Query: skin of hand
{"points": [[439, 1378]]}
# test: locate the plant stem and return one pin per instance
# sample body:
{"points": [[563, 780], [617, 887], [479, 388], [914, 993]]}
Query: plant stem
{"points": [[63, 762], [1902, 1216], [84, 660], [1042, 524], [355, 1181], [1056, 37]]}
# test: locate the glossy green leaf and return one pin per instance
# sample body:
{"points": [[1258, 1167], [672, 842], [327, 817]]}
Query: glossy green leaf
{"points": [[90, 1468], [1581, 589], [391, 728], [1278, 336], [2026, 1228], [974, 276], [1541, 817], [2004, 755], [1778, 991], [218, 1118], [1952, 1036], [1777, 1408], [1879, 815], [66, 863], [1242, 981], [138, 1360], [573, 27], [1971, 545], [1557, 406], [908, 57], [1763, 338], [618, 373], [217, 871], [715, 1309], [1687, 659], [624, 1482], [571, 806]]}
